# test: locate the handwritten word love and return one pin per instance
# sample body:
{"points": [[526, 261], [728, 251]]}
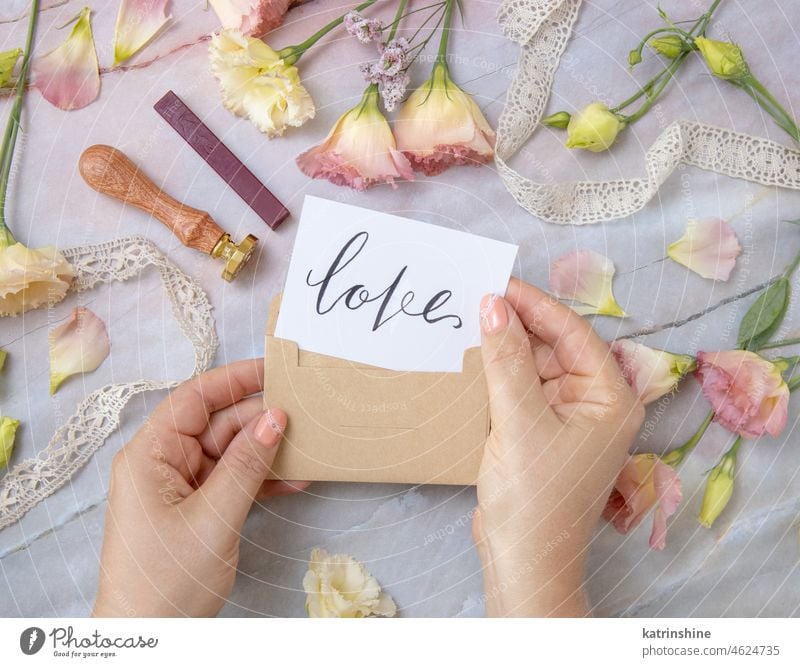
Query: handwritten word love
{"points": [[358, 295]]}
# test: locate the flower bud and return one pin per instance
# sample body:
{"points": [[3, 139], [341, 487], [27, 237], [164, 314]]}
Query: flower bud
{"points": [[594, 128], [719, 490], [8, 431], [559, 119], [634, 57], [724, 59], [3, 355], [670, 46]]}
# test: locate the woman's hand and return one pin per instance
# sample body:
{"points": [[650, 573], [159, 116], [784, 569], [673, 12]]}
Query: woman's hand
{"points": [[563, 419], [180, 492]]}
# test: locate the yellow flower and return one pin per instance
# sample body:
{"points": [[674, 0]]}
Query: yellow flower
{"points": [[338, 586], [439, 125], [258, 84], [8, 431], [31, 278], [670, 46], [719, 490], [8, 60], [724, 59], [594, 128]]}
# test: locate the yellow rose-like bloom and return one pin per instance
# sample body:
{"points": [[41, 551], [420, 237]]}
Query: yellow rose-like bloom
{"points": [[338, 586], [439, 125], [724, 59], [8, 60], [8, 431], [257, 83], [594, 128], [719, 490], [31, 278]]}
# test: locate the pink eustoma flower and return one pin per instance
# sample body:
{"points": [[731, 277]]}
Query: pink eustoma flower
{"points": [[651, 373], [439, 126], [251, 17], [709, 248], [645, 482], [359, 151], [748, 393]]}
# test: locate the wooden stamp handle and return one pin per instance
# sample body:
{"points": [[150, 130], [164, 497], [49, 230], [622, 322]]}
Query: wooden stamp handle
{"points": [[110, 172]]}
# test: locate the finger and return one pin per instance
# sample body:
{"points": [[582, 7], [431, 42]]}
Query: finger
{"points": [[223, 425], [279, 487], [232, 486], [515, 392], [577, 347], [577, 389], [188, 408], [546, 360]]}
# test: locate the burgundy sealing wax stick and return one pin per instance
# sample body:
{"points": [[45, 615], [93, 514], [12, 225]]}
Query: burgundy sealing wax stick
{"points": [[220, 159]]}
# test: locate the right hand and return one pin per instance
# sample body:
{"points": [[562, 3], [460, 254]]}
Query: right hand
{"points": [[562, 418]]}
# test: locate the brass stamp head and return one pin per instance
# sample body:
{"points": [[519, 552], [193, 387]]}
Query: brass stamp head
{"points": [[234, 255]]}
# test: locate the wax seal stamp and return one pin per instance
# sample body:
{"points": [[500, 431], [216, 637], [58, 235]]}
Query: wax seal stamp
{"points": [[112, 173]]}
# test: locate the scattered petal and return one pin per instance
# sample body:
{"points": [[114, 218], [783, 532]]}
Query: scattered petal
{"points": [[338, 586], [31, 278], [586, 276], [69, 77], [709, 248], [8, 61], [8, 433], [79, 345], [138, 22]]}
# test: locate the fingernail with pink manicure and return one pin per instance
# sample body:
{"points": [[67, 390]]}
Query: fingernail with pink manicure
{"points": [[493, 314]]}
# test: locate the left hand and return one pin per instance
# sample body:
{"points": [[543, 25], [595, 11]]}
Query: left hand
{"points": [[180, 492]]}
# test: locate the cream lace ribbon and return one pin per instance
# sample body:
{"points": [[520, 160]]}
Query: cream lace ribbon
{"points": [[542, 29], [73, 443]]}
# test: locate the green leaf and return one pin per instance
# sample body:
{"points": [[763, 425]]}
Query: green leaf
{"points": [[793, 222], [765, 315]]}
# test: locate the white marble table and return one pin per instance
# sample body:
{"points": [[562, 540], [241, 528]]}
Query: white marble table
{"points": [[747, 565]]}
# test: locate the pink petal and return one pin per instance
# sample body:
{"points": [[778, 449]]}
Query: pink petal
{"points": [[79, 345], [251, 17], [68, 77], [633, 494], [709, 248], [138, 21], [668, 491], [586, 276]]}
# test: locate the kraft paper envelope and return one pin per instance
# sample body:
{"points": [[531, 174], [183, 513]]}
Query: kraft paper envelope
{"points": [[357, 423]]}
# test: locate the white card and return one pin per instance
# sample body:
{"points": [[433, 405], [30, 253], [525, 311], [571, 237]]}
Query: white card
{"points": [[388, 291]]}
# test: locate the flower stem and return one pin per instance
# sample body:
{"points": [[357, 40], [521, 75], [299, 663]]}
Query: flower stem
{"points": [[780, 343], [441, 57], [12, 127], [699, 28], [677, 455], [773, 107], [291, 54], [397, 18]]}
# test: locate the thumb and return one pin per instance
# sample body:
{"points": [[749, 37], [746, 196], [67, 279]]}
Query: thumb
{"points": [[238, 475], [515, 391]]}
